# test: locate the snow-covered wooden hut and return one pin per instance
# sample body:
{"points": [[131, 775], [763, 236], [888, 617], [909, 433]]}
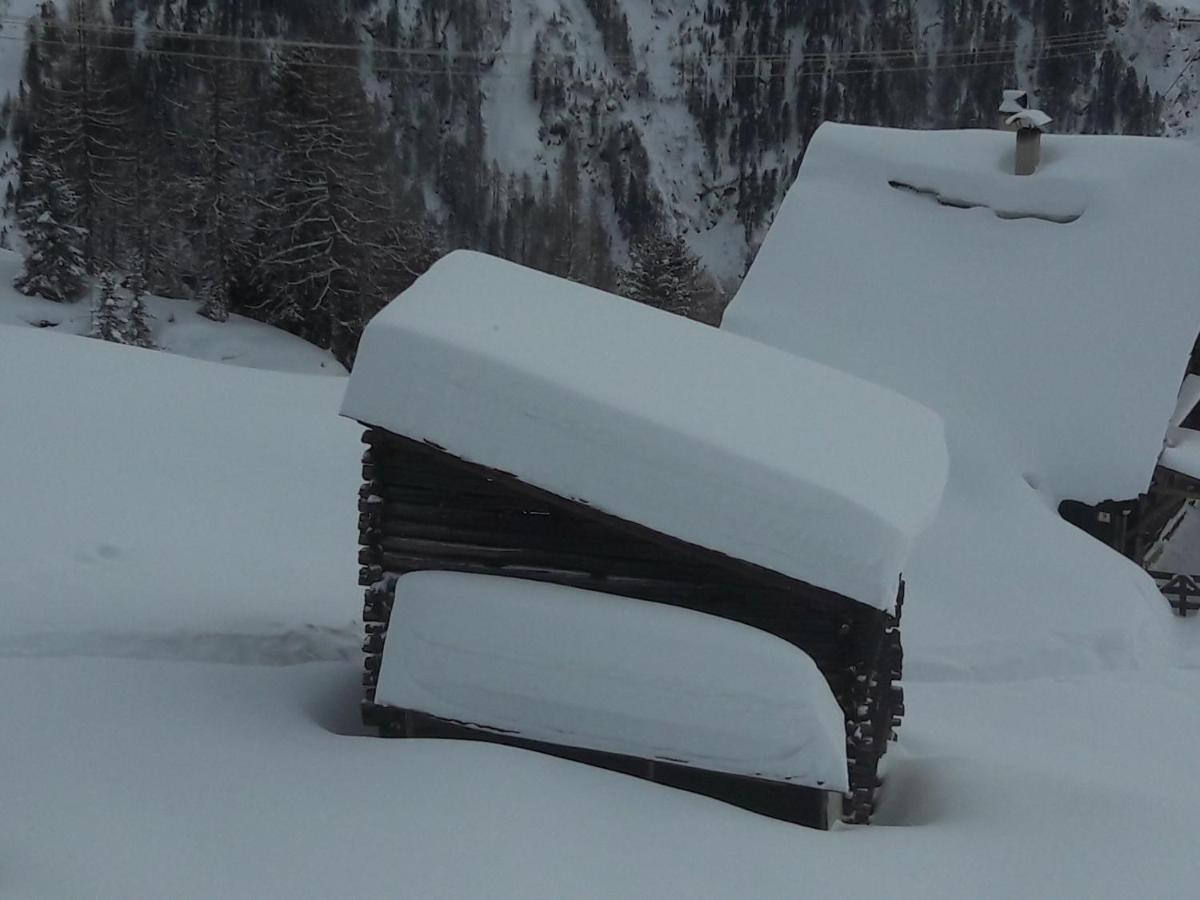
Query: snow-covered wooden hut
{"points": [[600, 531], [1048, 319]]}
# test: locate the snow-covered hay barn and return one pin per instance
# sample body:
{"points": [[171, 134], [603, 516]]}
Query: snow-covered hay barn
{"points": [[1048, 319], [546, 458]]}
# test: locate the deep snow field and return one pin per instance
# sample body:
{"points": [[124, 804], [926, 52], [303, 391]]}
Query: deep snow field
{"points": [[179, 686]]}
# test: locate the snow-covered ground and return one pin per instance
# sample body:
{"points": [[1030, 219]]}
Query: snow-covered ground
{"points": [[176, 779], [148, 499], [179, 686]]}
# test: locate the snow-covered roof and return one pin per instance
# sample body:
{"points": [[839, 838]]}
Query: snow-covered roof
{"points": [[591, 670], [1029, 118], [1054, 353], [1059, 348], [708, 437]]}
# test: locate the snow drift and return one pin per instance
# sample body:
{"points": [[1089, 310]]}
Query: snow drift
{"points": [[587, 669]]}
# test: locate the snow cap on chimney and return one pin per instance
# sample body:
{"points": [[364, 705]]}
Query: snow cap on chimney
{"points": [[1014, 101], [1029, 118]]}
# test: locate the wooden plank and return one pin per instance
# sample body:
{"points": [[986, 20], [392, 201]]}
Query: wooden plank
{"points": [[547, 538], [741, 569], [600, 565]]}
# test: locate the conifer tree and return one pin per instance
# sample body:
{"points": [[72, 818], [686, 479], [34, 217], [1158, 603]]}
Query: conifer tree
{"points": [[662, 272], [223, 131], [566, 239], [109, 320], [54, 267], [321, 232], [81, 125], [138, 331]]}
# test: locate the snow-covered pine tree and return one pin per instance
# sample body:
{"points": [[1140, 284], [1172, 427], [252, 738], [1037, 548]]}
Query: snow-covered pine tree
{"points": [[110, 321], [54, 267], [324, 214], [138, 332], [566, 238], [84, 123], [599, 246], [219, 136], [408, 250], [662, 272]]}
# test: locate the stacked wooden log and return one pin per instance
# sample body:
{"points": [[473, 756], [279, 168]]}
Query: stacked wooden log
{"points": [[423, 509]]}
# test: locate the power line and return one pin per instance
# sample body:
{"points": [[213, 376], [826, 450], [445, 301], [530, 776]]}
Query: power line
{"points": [[1188, 63], [1066, 40], [1003, 56]]}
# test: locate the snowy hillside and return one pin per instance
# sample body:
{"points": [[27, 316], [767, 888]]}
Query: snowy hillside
{"points": [[557, 132], [175, 328], [179, 675], [150, 500]]}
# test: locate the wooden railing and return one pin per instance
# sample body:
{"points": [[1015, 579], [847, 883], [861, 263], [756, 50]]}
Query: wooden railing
{"points": [[1182, 591]]}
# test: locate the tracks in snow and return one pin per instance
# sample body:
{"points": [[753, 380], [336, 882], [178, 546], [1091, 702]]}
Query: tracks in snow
{"points": [[284, 647]]}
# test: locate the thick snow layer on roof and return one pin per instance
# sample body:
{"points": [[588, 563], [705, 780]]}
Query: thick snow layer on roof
{"points": [[1058, 348], [607, 673], [1052, 353], [708, 437]]}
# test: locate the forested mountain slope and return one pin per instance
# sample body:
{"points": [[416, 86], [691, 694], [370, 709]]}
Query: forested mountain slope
{"points": [[300, 161]]}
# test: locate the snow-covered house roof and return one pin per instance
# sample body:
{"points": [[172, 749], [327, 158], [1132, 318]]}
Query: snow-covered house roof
{"points": [[1049, 320], [585, 669], [698, 434], [1052, 319]]}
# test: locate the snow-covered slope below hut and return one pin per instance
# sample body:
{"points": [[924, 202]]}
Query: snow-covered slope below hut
{"points": [[155, 505]]}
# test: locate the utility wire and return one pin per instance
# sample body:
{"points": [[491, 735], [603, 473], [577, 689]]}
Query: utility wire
{"points": [[1003, 56], [1191, 61], [1068, 39]]}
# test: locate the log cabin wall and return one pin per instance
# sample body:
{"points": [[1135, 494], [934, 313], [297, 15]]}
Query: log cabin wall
{"points": [[422, 509]]}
